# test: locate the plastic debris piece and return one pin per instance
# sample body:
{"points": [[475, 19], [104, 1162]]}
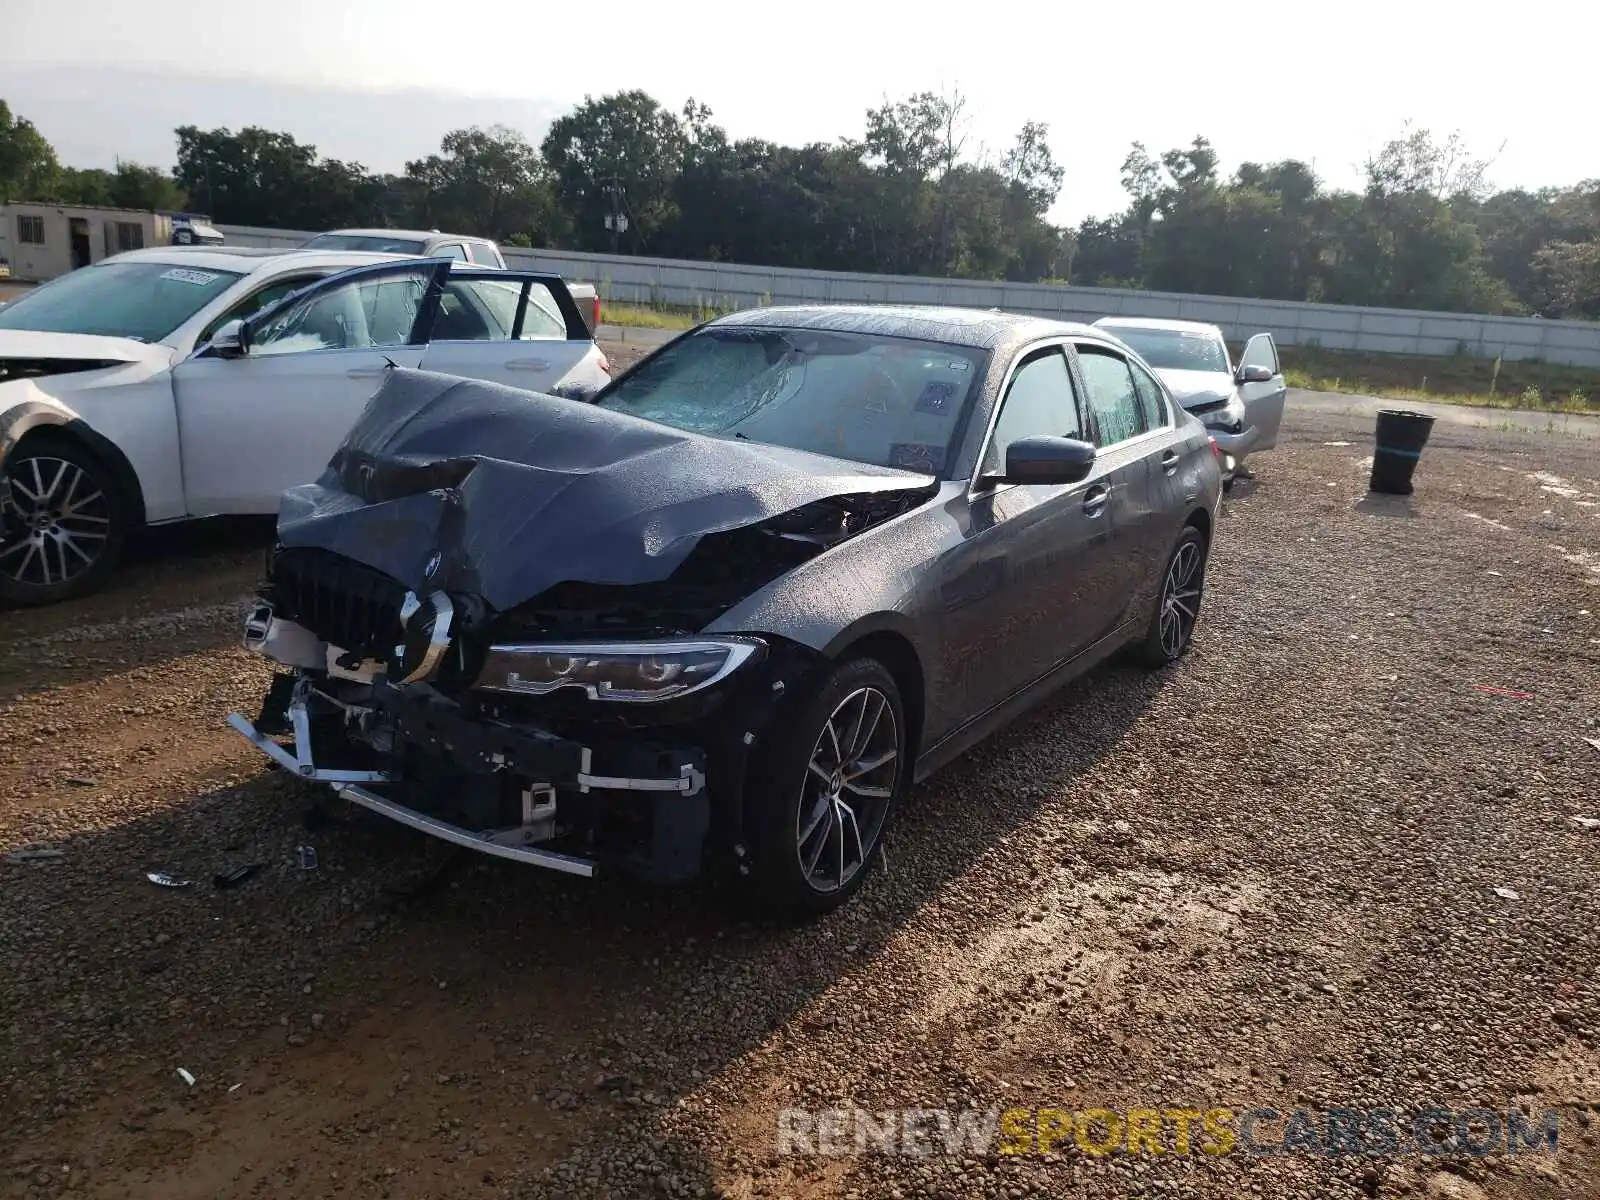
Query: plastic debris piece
{"points": [[1491, 690], [1586, 822], [235, 1088], [306, 856], [1506, 893], [162, 879], [185, 1075], [1595, 742], [36, 854], [236, 875]]}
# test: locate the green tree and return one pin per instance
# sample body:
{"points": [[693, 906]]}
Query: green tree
{"points": [[626, 140], [489, 182], [28, 166]]}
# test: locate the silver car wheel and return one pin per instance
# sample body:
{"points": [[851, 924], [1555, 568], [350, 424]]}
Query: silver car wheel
{"points": [[850, 779], [56, 522], [1180, 599]]}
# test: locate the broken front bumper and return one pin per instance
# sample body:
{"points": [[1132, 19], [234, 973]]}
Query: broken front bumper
{"points": [[478, 747], [1236, 444]]}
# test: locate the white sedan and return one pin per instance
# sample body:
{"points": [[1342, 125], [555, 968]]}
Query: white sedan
{"points": [[167, 384]]}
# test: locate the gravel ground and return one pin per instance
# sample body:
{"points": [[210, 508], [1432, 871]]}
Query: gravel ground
{"points": [[1265, 878]]}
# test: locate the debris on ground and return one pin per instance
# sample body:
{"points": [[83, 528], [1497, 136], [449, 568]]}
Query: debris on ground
{"points": [[235, 876], [1491, 690], [162, 879], [186, 1075], [36, 854], [1506, 893]]}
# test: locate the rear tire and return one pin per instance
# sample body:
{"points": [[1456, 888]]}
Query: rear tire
{"points": [[63, 522], [1177, 609], [825, 792]]}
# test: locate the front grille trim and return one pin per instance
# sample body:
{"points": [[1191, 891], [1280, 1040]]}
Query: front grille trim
{"points": [[345, 603]]}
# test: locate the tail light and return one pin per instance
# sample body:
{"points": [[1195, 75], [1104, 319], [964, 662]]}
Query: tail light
{"points": [[595, 324], [1216, 450]]}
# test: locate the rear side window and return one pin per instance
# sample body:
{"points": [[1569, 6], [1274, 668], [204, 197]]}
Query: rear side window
{"points": [[1112, 395], [483, 254], [453, 250], [1151, 401], [485, 310]]}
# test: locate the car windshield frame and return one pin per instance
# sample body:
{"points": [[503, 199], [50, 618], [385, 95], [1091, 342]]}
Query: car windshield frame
{"points": [[67, 303], [1144, 338], [939, 404], [367, 241]]}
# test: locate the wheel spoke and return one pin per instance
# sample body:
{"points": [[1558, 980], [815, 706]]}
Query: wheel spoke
{"points": [[866, 766], [872, 793], [872, 710], [833, 738], [817, 817], [847, 816], [826, 819]]}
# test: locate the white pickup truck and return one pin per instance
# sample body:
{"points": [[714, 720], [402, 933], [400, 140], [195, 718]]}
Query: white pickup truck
{"points": [[431, 243]]}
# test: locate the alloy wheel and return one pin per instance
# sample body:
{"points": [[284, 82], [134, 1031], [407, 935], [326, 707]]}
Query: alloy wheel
{"points": [[850, 780], [56, 521], [1180, 599]]}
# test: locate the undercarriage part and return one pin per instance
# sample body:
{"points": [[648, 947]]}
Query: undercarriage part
{"points": [[485, 844]]}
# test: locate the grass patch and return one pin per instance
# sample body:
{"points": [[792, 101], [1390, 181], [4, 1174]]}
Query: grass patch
{"points": [[638, 316], [1457, 379]]}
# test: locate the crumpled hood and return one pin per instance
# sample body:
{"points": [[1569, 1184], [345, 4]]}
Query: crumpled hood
{"points": [[1192, 388], [30, 343], [505, 493]]}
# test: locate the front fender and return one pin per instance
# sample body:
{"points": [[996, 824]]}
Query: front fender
{"points": [[28, 416], [24, 416]]}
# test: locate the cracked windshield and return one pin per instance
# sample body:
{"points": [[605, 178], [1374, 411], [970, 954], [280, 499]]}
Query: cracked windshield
{"points": [[889, 402]]}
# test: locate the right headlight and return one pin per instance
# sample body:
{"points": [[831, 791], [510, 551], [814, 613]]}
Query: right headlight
{"points": [[636, 672]]}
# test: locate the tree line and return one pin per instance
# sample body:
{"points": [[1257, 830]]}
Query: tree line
{"points": [[912, 195]]}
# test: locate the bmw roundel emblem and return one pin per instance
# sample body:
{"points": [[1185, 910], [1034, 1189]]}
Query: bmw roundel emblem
{"points": [[434, 561]]}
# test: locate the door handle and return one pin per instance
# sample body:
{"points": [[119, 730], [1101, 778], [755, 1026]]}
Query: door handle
{"points": [[1169, 461], [1094, 500], [365, 372]]}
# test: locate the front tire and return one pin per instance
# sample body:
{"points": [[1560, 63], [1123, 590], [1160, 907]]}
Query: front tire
{"points": [[1177, 608], [63, 522], [825, 792]]}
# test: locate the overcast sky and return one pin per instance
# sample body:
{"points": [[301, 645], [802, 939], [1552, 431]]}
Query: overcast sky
{"points": [[1323, 82]]}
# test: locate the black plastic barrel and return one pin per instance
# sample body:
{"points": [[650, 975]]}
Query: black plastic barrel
{"points": [[1400, 438]]}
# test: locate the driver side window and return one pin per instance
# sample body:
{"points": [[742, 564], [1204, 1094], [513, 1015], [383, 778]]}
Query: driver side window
{"points": [[1041, 402], [255, 302], [362, 314]]}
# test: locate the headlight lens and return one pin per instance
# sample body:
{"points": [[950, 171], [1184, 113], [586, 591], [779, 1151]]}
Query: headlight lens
{"points": [[637, 672]]}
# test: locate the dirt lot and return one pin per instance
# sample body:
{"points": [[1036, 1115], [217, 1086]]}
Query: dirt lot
{"points": [[1266, 878]]}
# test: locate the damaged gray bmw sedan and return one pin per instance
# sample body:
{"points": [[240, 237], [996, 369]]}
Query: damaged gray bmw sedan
{"points": [[718, 620]]}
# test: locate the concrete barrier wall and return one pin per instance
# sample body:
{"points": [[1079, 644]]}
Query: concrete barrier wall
{"points": [[677, 282]]}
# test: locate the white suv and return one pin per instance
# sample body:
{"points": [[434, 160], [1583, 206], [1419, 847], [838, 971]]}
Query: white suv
{"points": [[430, 244]]}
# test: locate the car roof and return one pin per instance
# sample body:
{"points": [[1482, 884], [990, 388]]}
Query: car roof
{"points": [[250, 259], [420, 234], [1157, 323], [979, 328]]}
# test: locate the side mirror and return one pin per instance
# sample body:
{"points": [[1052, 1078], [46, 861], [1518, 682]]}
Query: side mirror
{"points": [[1048, 460], [230, 340], [1254, 374]]}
